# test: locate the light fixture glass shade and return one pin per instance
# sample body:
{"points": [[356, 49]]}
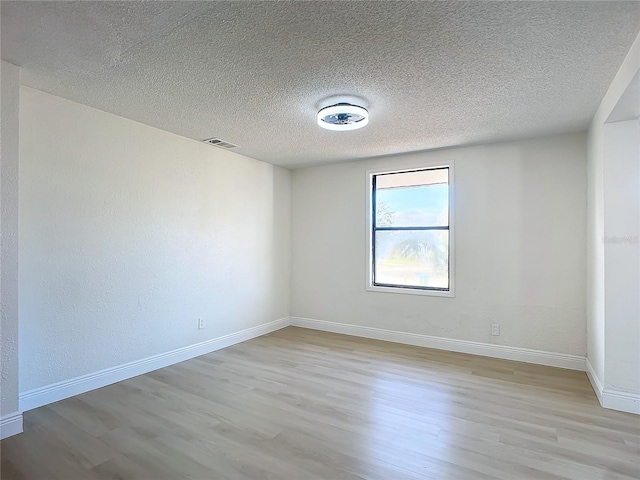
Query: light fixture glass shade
{"points": [[343, 116]]}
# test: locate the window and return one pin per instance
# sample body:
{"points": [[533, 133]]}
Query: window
{"points": [[410, 231]]}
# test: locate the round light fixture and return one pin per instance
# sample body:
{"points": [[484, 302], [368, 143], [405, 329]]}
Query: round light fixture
{"points": [[343, 116]]}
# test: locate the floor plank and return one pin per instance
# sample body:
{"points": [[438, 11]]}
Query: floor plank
{"points": [[302, 404]]}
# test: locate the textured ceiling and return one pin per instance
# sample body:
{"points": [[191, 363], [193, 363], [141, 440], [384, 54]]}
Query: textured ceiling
{"points": [[255, 73]]}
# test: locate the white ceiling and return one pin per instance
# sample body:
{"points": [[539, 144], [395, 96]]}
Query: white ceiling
{"points": [[255, 73]]}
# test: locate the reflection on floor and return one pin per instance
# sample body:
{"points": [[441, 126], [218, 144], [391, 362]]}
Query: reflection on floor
{"points": [[301, 404]]}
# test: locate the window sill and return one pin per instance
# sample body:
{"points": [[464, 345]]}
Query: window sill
{"points": [[411, 291]]}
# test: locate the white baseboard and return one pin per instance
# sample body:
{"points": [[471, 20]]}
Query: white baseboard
{"points": [[596, 384], [613, 399], [622, 401], [561, 360], [10, 424], [75, 386]]}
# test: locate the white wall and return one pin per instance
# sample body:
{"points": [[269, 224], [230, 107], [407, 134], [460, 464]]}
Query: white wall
{"points": [[9, 153], [520, 211], [607, 337], [622, 255], [595, 252], [129, 234]]}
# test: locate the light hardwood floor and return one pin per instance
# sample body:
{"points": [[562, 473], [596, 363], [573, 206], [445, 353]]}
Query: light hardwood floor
{"points": [[301, 404]]}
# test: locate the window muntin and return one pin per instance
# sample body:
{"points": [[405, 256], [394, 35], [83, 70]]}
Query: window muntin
{"points": [[410, 229]]}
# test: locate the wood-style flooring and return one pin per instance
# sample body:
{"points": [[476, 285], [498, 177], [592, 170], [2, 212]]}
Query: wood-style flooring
{"points": [[302, 404]]}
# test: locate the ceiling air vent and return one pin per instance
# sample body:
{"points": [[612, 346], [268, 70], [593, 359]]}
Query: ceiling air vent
{"points": [[218, 142]]}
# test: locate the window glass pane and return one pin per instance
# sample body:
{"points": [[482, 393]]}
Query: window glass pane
{"points": [[412, 199], [418, 258]]}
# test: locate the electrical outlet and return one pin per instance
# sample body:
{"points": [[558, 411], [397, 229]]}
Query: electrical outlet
{"points": [[200, 323], [495, 329]]}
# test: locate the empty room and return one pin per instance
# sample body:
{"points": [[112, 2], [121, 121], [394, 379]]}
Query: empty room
{"points": [[320, 240]]}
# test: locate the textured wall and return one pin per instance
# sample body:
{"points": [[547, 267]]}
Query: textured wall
{"points": [[520, 247], [9, 229], [129, 234]]}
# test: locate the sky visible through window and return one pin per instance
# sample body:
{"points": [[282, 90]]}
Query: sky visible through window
{"points": [[416, 206]]}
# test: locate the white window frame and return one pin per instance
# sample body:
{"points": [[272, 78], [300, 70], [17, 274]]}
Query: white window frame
{"points": [[370, 287]]}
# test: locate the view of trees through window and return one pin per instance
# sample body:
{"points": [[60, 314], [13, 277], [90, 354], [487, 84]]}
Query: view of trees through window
{"points": [[410, 230]]}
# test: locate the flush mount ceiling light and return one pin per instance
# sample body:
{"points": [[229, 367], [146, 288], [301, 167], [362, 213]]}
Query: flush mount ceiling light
{"points": [[343, 116]]}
